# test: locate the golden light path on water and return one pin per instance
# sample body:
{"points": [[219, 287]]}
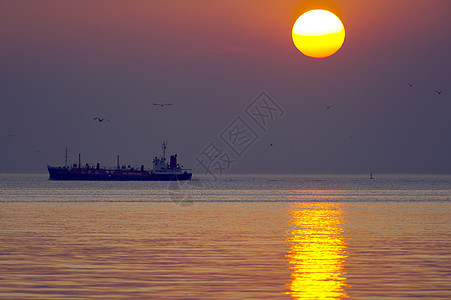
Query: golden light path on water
{"points": [[317, 251]]}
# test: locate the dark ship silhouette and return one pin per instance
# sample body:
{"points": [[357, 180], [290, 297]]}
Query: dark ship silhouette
{"points": [[162, 171]]}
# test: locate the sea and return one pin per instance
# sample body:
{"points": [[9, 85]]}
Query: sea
{"points": [[227, 237]]}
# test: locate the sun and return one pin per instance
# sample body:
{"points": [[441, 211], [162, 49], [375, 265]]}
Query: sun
{"points": [[318, 33]]}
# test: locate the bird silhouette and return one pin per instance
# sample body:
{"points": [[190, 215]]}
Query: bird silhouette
{"points": [[328, 106], [439, 92], [410, 84], [162, 104], [101, 119]]}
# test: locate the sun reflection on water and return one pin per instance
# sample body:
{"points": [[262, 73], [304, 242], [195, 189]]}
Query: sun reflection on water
{"points": [[317, 251]]}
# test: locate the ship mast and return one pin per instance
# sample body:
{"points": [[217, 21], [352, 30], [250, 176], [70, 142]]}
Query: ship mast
{"points": [[65, 160], [164, 150]]}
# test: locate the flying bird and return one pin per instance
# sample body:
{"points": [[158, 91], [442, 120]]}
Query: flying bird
{"points": [[101, 119], [410, 84], [162, 104], [439, 92], [328, 106]]}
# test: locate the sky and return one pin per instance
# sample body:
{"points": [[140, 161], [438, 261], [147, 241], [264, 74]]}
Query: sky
{"points": [[63, 63]]}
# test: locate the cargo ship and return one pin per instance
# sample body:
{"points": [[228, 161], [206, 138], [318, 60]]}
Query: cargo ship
{"points": [[162, 171]]}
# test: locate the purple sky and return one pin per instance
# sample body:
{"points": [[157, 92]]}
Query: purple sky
{"points": [[65, 62]]}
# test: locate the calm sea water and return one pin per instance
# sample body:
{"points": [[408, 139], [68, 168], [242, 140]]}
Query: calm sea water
{"points": [[241, 237]]}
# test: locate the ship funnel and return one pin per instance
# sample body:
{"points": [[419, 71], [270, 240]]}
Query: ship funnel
{"points": [[173, 162]]}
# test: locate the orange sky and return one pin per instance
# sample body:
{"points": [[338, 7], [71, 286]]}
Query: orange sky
{"points": [[65, 61]]}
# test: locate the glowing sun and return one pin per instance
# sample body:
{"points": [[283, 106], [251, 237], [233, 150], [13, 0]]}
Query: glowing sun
{"points": [[318, 33]]}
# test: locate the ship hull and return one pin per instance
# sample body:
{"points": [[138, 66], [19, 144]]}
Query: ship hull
{"points": [[56, 173]]}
